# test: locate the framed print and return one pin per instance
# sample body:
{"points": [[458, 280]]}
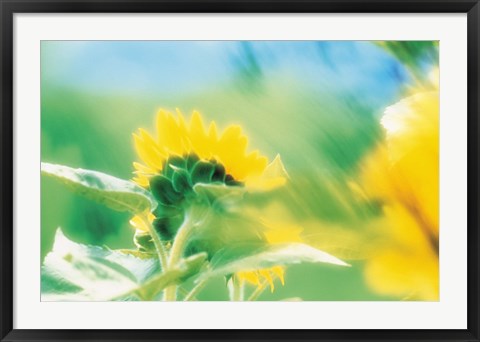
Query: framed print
{"points": [[239, 170]]}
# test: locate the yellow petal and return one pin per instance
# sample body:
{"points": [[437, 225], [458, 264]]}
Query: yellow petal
{"points": [[249, 276], [273, 176], [200, 143], [175, 137], [137, 222], [148, 152], [183, 132], [142, 168], [142, 181], [279, 272], [169, 133], [255, 164], [283, 234], [212, 132], [403, 174], [404, 273]]}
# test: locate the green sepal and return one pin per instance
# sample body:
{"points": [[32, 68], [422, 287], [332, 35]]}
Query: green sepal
{"points": [[228, 277], [202, 172], [167, 221], [218, 173], [172, 164], [191, 160], [181, 181], [163, 191], [229, 180]]}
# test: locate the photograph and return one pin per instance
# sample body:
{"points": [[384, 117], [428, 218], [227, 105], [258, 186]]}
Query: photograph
{"points": [[239, 170]]}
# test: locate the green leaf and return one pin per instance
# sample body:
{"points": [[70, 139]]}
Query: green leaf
{"points": [[218, 225], [221, 217], [137, 253], [76, 272], [115, 193], [255, 256], [183, 270]]}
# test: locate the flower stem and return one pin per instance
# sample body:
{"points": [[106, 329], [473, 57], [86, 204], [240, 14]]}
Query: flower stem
{"points": [[197, 288], [170, 294], [238, 290], [258, 291], [159, 247], [176, 253]]}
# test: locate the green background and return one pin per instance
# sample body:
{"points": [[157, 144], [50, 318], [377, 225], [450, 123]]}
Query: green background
{"points": [[317, 105]]}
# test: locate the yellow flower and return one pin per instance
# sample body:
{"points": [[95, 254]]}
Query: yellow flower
{"points": [[177, 137], [402, 175], [223, 155]]}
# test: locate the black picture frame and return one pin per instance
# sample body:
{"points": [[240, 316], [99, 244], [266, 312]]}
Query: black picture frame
{"points": [[10, 7]]}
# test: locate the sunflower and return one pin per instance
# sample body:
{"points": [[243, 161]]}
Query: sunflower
{"points": [[178, 139], [185, 153], [402, 174]]}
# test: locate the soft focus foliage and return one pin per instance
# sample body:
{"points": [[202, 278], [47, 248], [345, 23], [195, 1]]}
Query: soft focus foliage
{"points": [[362, 179]]}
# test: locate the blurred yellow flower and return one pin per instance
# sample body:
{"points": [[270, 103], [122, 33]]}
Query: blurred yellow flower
{"points": [[402, 174]]}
